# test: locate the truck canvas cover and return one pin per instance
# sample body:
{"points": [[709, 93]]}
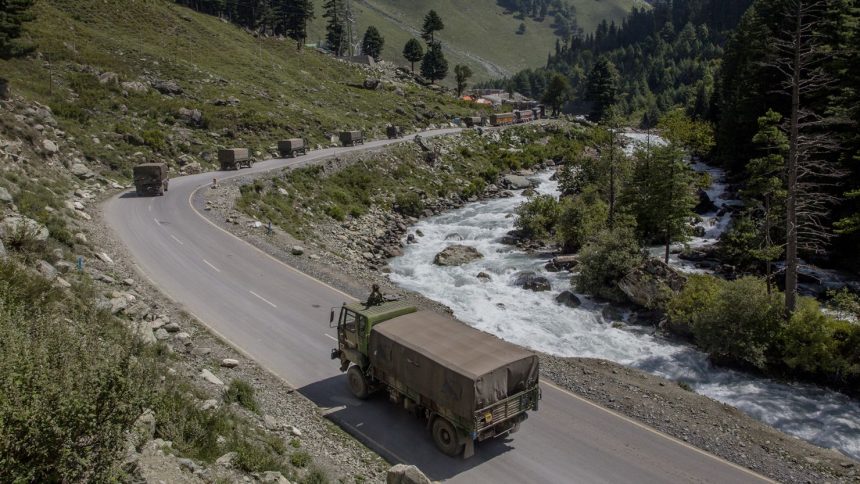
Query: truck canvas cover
{"points": [[455, 366]]}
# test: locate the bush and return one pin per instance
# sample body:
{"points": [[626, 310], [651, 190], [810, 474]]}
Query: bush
{"points": [[819, 345], [72, 381], [734, 321], [537, 218], [241, 392], [300, 459], [153, 138], [256, 457], [605, 259], [316, 476], [581, 218], [409, 203]]}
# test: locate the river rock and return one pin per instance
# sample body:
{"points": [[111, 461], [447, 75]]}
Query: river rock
{"points": [[516, 182], [457, 255], [568, 299], [484, 277], [532, 282], [652, 284], [405, 474], [17, 224], [705, 205], [562, 263], [454, 236]]}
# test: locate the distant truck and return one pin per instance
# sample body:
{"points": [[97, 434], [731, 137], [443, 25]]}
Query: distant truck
{"points": [[234, 158], [150, 179], [472, 121], [394, 132], [502, 119], [469, 385], [351, 138], [292, 147]]}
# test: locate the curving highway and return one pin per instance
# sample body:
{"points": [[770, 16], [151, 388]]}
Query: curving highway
{"points": [[279, 317]]}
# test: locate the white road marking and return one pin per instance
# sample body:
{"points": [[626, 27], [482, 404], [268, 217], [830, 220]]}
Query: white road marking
{"points": [[150, 206], [263, 299], [177, 240], [210, 265], [156, 221], [330, 336]]}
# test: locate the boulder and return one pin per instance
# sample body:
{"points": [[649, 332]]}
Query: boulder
{"points": [[372, 84], [229, 363], [81, 171], [454, 236], [47, 270], [227, 459], [406, 474], [705, 205], [167, 87], [652, 284], [5, 196], [457, 255], [531, 281], [484, 277], [108, 78], [210, 377], [143, 429], [297, 250], [3, 253], [135, 86], [192, 116], [516, 182], [568, 299], [50, 147], [272, 477], [16, 225], [562, 263]]}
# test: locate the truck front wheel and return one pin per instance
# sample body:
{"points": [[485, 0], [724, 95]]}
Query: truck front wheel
{"points": [[445, 437], [357, 382]]}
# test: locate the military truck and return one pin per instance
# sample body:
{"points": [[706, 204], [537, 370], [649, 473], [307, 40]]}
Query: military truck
{"points": [[472, 121], [292, 147], [150, 179], [234, 158], [394, 132], [351, 138], [469, 385]]}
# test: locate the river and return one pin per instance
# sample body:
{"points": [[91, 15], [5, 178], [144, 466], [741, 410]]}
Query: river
{"points": [[533, 319]]}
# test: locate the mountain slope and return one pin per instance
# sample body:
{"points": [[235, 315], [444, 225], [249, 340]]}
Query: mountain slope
{"points": [[479, 32]]}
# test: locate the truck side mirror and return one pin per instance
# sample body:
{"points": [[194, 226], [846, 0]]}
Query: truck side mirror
{"points": [[331, 319]]}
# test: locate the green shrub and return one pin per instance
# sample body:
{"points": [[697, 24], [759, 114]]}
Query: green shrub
{"points": [[300, 459], [734, 321], [316, 476], [844, 304], [475, 188], [252, 456], [241, 392], [336, 212], [72, 380], [605, 259], [537, 218], [817, 344], [153, 138], [581, 218], [409, 203]]}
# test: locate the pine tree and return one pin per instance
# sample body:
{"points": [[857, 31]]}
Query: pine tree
{"points": [[557, 93], [336, 37], [296, 14], [603, 87], [413, 52], [372, 43], [461, 75], [432, 24], [434, 66]]}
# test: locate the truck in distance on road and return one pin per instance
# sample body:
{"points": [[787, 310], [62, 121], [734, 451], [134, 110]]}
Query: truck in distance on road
{"points": [[469, 385], [292, 147], [234, 158], [351, 138], [150, 179]]}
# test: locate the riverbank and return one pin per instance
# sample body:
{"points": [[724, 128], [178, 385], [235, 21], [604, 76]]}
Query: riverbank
{"points": [[658, 402]]}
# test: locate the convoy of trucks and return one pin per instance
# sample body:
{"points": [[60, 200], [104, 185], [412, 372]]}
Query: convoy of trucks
{"points": [[469, 385], [150, 179], [234, 158]]}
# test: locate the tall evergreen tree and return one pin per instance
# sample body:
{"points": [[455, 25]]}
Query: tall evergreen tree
{"points": [[557, 93], [432, 24], [295, 15], [434, 66], [603, 87], [372, 43], [462, 74], [336, 34], [413, 52]]}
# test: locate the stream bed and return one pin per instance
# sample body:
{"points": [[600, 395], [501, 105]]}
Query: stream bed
{"points": [[535, 320]]}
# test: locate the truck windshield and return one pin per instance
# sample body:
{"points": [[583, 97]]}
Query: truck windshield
{"points": [[348, 320]]}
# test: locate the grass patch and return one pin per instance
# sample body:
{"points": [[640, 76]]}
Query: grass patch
{"points": [[241, 392]]}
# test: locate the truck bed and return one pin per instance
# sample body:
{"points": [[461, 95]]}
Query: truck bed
{"points": [[450, 363]]}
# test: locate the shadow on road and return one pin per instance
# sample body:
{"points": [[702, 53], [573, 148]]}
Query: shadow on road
{"points": [[393, 432]]}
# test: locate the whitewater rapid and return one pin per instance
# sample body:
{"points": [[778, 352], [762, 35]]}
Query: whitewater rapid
{"points": [[533, 319]]}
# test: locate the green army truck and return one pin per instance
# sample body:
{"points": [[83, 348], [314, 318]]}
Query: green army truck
{"points": [[469, 385], [235, 158], [150, 179]]}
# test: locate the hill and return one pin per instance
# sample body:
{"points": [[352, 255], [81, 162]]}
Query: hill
{"points": [[479, 33]]}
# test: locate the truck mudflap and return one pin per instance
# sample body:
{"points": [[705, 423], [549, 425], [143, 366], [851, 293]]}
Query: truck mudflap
{"points": [[501, 416]]}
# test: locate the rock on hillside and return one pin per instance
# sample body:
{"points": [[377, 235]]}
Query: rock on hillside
{"points": [[651, 285]]}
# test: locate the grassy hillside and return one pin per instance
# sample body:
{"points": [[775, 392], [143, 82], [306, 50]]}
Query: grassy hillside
{"points": [[87, 49], [477, 32]]}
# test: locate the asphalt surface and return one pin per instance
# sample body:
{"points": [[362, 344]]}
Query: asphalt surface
{"points": [[279, 317]]}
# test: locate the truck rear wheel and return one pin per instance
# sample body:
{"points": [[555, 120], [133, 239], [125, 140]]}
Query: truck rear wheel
{"points": [[357, 382], [445, 437]]}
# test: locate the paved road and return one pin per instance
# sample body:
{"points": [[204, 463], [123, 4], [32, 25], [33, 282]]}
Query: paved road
{"points": [[279, 317]]}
